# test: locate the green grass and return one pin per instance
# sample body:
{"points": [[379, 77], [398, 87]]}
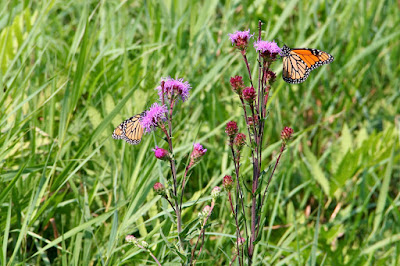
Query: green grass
{"points": [[70, 71]]}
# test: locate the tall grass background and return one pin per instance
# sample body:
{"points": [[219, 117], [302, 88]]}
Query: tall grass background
{"points": [[71, 71]]}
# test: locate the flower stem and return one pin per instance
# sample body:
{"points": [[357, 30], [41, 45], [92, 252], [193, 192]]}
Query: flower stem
{"points": [[151, 254]]}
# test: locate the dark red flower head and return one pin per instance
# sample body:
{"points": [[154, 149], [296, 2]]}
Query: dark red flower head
{"points": [[231, 129], [240, 141], [237, 84], [249, 94], [286, 134], [227, 182], [159, 189]]}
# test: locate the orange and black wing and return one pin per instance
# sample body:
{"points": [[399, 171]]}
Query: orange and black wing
{"points": [[298, 63], [133, 130], [130, 130], [118, 132]]}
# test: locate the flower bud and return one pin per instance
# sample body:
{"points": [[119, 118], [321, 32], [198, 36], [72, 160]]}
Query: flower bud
{"points": [[252, 120], [231, 129], [227, 182], [161, 154], [286, 134], [241, 241], [197, 153], [240, 141], [131, 239], [237, 84], [271, 76], [249, 94], [159, 189], [206, 211], [215, 192]]}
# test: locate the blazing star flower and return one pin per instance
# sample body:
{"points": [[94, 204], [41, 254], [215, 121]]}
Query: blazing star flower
{"points": [[161, 154], [173, 88], [227, 182], [159, 189], [237, 84], [249, 94], [240, 39], [197, 153], [268, 49], [152, 117], [286, 134]]}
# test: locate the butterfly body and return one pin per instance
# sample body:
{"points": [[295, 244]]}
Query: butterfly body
{"points": [[298, 62], [130, 130]]}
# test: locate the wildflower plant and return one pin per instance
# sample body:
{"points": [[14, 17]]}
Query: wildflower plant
{"points": [[160, 116], [253, 98]]}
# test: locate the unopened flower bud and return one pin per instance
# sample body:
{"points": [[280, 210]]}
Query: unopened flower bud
{"points": [[197, 153], [240, 141], [286, 134], [206, 211], [161, 154], [159, 189], [228, 182], [131, 239], [237, 84], [249, 94], [231, 130], [215, 192]]}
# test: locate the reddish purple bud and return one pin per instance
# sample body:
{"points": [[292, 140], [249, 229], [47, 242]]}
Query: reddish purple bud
{"points": [[227, 182], [231, 129], [197, 153], [237, 84], [271, 76], [161, 154], [249, 94], [252, 120], [286, 134], [240, 141], [159, 189]]}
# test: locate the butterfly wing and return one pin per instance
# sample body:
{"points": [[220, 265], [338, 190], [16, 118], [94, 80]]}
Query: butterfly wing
{"points": [[298, 63], [133, 130], [118, 132], [130, 130]]}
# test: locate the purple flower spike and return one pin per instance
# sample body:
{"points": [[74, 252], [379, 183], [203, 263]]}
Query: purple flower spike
{"points": [[240, 39], [152, 117], [174, 88], [267, 49]]}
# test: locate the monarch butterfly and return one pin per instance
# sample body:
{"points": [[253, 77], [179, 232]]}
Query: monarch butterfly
{"points": [[130, 130], [298, 62]]}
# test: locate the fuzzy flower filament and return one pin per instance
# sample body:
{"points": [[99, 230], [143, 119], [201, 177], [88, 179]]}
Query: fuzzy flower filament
{"points": [[171, 89], [240, 39], [268, 50], [153, 117]]}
